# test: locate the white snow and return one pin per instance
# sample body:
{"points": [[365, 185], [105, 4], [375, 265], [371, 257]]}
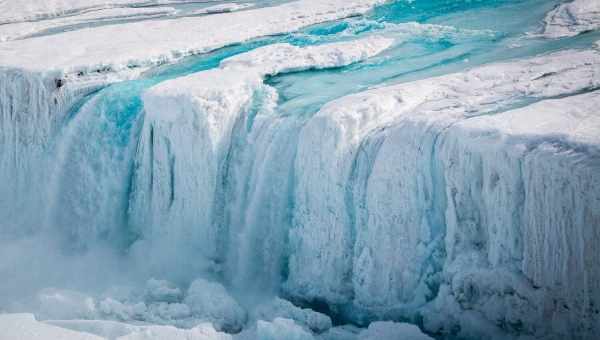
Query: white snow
{"points": [[103, 328], [18, 11], [572, 18], [277, 58], [392, 331], [201, 332], [222, 8], [26, 327], [21, 30], [134, 45]]}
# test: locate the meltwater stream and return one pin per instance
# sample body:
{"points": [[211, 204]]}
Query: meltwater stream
{"points": [[97, 169]]}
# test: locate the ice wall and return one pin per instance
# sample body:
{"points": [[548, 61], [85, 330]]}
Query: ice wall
{"points": [[522, 191], [214, 162], [466, 203], [33, 107], [435, 199], [38, 91], [400, 214]]}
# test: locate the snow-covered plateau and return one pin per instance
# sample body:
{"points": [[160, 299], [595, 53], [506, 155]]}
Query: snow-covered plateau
{"points": [[299, 170]]}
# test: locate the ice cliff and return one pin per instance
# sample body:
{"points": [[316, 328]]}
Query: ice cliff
{"points": [[315, 170], [219, 125], [475, 190]]}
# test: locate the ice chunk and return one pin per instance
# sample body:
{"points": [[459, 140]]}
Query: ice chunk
{"points": [[162, 313], [65, 304], [162, 291], [280, 308], [392, 331], [209, 301], [572, 18], [278, 58], [122, 311], [280, 329]]}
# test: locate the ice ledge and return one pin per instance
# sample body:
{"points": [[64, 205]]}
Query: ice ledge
{"points": [[572, 18], [17, 11], [137, 45], [249, 69]]}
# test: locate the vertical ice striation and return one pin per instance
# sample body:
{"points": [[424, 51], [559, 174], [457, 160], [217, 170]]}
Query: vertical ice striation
{"points": [[468, 203], [532, 173], [397, 217], [181, 159], [387, 203], [21, 133], [33, 107], [214, 166]]}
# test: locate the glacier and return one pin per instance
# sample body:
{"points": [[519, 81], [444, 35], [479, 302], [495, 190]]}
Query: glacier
{"points": [[303, 169]]}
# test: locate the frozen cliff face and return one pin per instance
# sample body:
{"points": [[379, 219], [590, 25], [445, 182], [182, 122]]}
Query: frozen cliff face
{"points": [[410, 210], [360, 170], [40, 94], [539, 161], [375, 159], [200, 137], [33, 107]]}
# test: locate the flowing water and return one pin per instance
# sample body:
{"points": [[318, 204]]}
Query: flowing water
{"points": [[93, 156]]}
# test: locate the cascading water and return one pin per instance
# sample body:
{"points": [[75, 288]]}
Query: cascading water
{"points": [[263, 184]]}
